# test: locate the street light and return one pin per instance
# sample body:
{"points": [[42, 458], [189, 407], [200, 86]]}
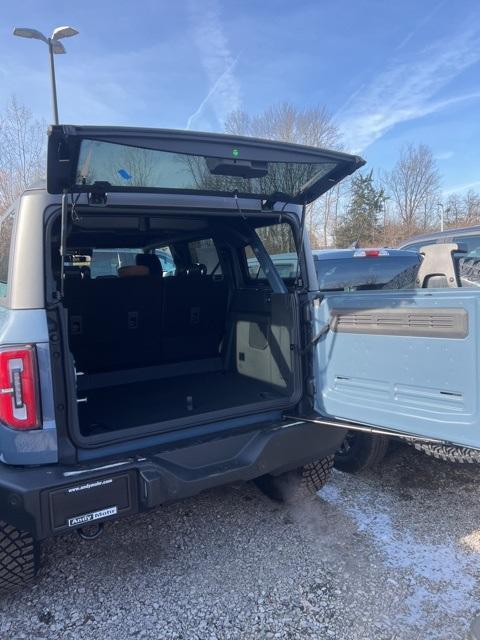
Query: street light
{"points": [[54, 47], [441, 206]]}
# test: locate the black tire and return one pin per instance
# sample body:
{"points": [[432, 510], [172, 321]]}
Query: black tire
{"points": [[315, 475], [19, 558], [299, 484], [360, 451], [461, 455]]}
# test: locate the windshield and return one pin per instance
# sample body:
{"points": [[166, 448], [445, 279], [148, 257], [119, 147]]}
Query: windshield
{"points": [[126, 166]]}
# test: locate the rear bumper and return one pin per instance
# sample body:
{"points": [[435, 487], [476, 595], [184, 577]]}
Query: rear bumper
{"points": [[54, 499]]}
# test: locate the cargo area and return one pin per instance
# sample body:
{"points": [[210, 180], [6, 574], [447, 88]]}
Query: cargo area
{"points": [[167, 327]]}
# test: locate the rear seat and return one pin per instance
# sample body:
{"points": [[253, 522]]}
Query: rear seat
{"points": [[194, 315], [114, 323], [134, 320]]}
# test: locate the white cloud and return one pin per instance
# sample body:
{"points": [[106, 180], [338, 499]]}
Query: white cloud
{"points": [[443, 155], [459, 188], [406, 90], [113, 89], [217, 60]]}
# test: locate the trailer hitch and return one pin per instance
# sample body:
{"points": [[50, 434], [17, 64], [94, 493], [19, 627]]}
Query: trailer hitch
{"points": [[91, 532]]}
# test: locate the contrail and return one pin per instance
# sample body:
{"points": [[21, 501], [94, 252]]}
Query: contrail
{"points": [[214, 87], [420, 24]]}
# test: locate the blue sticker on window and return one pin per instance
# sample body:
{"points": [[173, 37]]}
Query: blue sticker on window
{"points": [[123, 173]]}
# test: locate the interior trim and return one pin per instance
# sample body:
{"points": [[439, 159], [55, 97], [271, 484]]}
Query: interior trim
{"points": [[141, 374]]}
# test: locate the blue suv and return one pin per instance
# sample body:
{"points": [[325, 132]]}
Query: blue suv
{"points": [[126, 388]]}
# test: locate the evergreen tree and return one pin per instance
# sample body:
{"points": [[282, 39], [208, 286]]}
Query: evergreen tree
{"points": [[362, 222]]}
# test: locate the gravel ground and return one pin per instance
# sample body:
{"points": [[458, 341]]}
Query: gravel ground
{"points": [[389, 554]]}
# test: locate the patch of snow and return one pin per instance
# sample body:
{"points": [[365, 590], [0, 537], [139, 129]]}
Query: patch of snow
{"points": [[440, 570]]}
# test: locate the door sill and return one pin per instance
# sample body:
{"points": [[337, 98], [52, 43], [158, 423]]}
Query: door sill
{"points": [[322, 421]]}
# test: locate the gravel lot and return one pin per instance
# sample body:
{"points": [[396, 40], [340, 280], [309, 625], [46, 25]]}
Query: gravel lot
{"points": [[390, 554]]}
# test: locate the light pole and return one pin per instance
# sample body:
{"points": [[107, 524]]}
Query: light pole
{"points": [[441, 206], [54, 47]]}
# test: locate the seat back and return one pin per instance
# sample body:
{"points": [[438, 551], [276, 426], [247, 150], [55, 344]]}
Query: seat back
{"points": [[194, 315], [115, 323]]}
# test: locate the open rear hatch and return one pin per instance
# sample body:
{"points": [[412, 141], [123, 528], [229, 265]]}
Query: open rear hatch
{"points": [[109, 159]]}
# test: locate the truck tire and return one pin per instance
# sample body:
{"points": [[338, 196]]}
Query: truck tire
{"points": [[294, 486], [315, 475], [19, 558], [360, 451], [447, 453]]}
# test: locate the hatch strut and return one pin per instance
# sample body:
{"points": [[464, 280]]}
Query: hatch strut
{"points": [[262, 255], [302, 245], [325, 422], [63, 240]]}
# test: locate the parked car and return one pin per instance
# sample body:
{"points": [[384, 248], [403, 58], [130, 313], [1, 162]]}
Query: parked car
{"points": [[341, 269], [466, 261], [469, 237]]}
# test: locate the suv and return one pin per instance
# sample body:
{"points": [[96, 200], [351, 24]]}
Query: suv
{"points": [[122, 391], [468, 237], [465, 254]]}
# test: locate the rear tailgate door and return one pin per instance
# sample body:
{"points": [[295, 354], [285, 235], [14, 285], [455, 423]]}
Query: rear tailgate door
{"points": [[406, 361]]}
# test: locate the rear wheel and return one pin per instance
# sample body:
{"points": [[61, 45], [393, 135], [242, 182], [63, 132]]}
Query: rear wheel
{"points": [[360, 451], [19, 558], [450, 453], [298, 484]]}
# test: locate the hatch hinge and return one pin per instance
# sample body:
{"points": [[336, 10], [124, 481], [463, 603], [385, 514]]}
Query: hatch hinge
{"points": [[97, 194]]}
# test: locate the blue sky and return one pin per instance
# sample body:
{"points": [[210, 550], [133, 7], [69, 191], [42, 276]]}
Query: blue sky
{"points": [[389, 72]]}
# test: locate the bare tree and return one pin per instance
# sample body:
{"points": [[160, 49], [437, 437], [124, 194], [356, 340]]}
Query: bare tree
{"points": [[22, 151], [462, 210], [313, 126], [413, 186], [310, 126]]}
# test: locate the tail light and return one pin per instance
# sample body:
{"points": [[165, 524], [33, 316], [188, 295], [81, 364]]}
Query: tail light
{"points": [[19, 397]]}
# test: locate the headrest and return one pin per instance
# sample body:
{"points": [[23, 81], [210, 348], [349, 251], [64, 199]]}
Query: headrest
{"points": [[151, 261], [133, 270], [196, 270]]}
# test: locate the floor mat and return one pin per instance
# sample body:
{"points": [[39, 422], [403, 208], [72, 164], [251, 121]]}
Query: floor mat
{"points": [[141, 403]]}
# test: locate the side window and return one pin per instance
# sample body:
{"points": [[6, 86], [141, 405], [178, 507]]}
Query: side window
{"points": [[418, 245], [279, 241], [471, 244], [205, 252], [164, 254], [106, 262], [6, 228]]}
